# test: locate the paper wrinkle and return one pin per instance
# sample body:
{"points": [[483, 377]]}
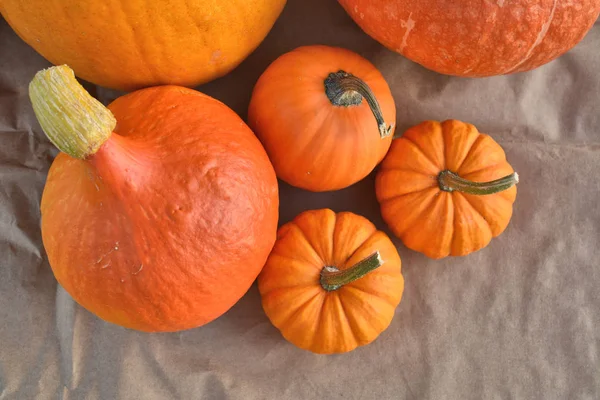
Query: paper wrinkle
{"points": [[519, 319]]}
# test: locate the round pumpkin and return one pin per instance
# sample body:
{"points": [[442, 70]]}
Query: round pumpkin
{"points": [[476, 38], [163, 224], [446, 189], [332, 282], [325, 116], [130, 44]]}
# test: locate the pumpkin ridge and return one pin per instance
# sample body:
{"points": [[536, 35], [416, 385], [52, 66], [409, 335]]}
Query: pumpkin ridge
{"points": [[320, 316], [330, 256], [479, 170], [302, 286], [303, 234], [480, 138], [474, 209], [300, 307], [287, 257], [383, 168], [422, 152], [431, 199], [360, 246], [368, 312], [367, 292], [336, 242], [382, 201], [350, 323], [468, 153]]}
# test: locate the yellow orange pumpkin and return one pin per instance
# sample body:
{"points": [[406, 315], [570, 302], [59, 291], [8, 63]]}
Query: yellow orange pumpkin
{"points": [[332, 282], [446, 189], [130, 44]]}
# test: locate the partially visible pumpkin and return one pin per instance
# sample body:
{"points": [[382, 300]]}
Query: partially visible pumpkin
{"points": [[476, 37], [130, 44], [446, 189], [164, 224], [325, 116], [332, 282]]}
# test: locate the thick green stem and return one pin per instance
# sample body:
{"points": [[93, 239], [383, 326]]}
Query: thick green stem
{"points": [[344, 89], [333, 279], [449, 182], [73, 120]]}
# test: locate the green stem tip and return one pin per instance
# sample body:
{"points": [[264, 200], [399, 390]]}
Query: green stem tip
{"points": [[449, 182], [333, 279], [344, 89], [75, 122]]}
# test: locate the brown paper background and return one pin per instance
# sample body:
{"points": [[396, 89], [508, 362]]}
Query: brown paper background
{"points": [[517, 320]]}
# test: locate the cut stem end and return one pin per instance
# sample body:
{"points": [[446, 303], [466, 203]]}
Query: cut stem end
{"points": [[449, 182], [333, 279], [345, 90], [75, 122]]}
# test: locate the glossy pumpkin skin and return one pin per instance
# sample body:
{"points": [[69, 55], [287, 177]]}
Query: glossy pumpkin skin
{"points": [[130, 44], [170, 222], [476, 37], [330, 321], [434, 222], [313, 144]]}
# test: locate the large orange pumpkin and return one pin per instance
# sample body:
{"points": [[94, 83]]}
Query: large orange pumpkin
{"points": [[332, 282], [129, 44], [476, 37], [164, 224], [446, 189], [325, 116]]}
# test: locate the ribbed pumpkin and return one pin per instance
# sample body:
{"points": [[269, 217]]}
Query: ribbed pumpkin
{"points": [[446, 189], [130, 44], [332, 282], [164, 224], [325, 115], [476, 37]]}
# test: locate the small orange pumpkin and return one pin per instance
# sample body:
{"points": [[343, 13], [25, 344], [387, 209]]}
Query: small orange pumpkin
{"points": [[332, 282], [313, 109], [163, 224], [446, 189]]}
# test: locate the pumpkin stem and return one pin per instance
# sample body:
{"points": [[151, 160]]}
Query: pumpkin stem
{"points": [[449, 182], [333, 279], [75, 122], [344, 89]]}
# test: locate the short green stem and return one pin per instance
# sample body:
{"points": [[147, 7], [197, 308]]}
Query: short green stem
{"points": [[344, 89], [333, 279], [449, 182], [73, 120]]}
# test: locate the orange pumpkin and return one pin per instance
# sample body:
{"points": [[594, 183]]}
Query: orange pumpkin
{"points": [[129, 44], [446, 189], [476, 37], [308, 110], [332, 282], [164, 224]]}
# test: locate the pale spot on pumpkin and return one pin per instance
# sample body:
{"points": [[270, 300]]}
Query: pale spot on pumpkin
{"points": [[362, 16], [500, 3], [139, 270], [539, 39], [215, 56], [409, 26], [356, 9]]}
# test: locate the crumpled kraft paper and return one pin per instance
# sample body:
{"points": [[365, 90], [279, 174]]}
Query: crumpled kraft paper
{"points": [[517, 320]]}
